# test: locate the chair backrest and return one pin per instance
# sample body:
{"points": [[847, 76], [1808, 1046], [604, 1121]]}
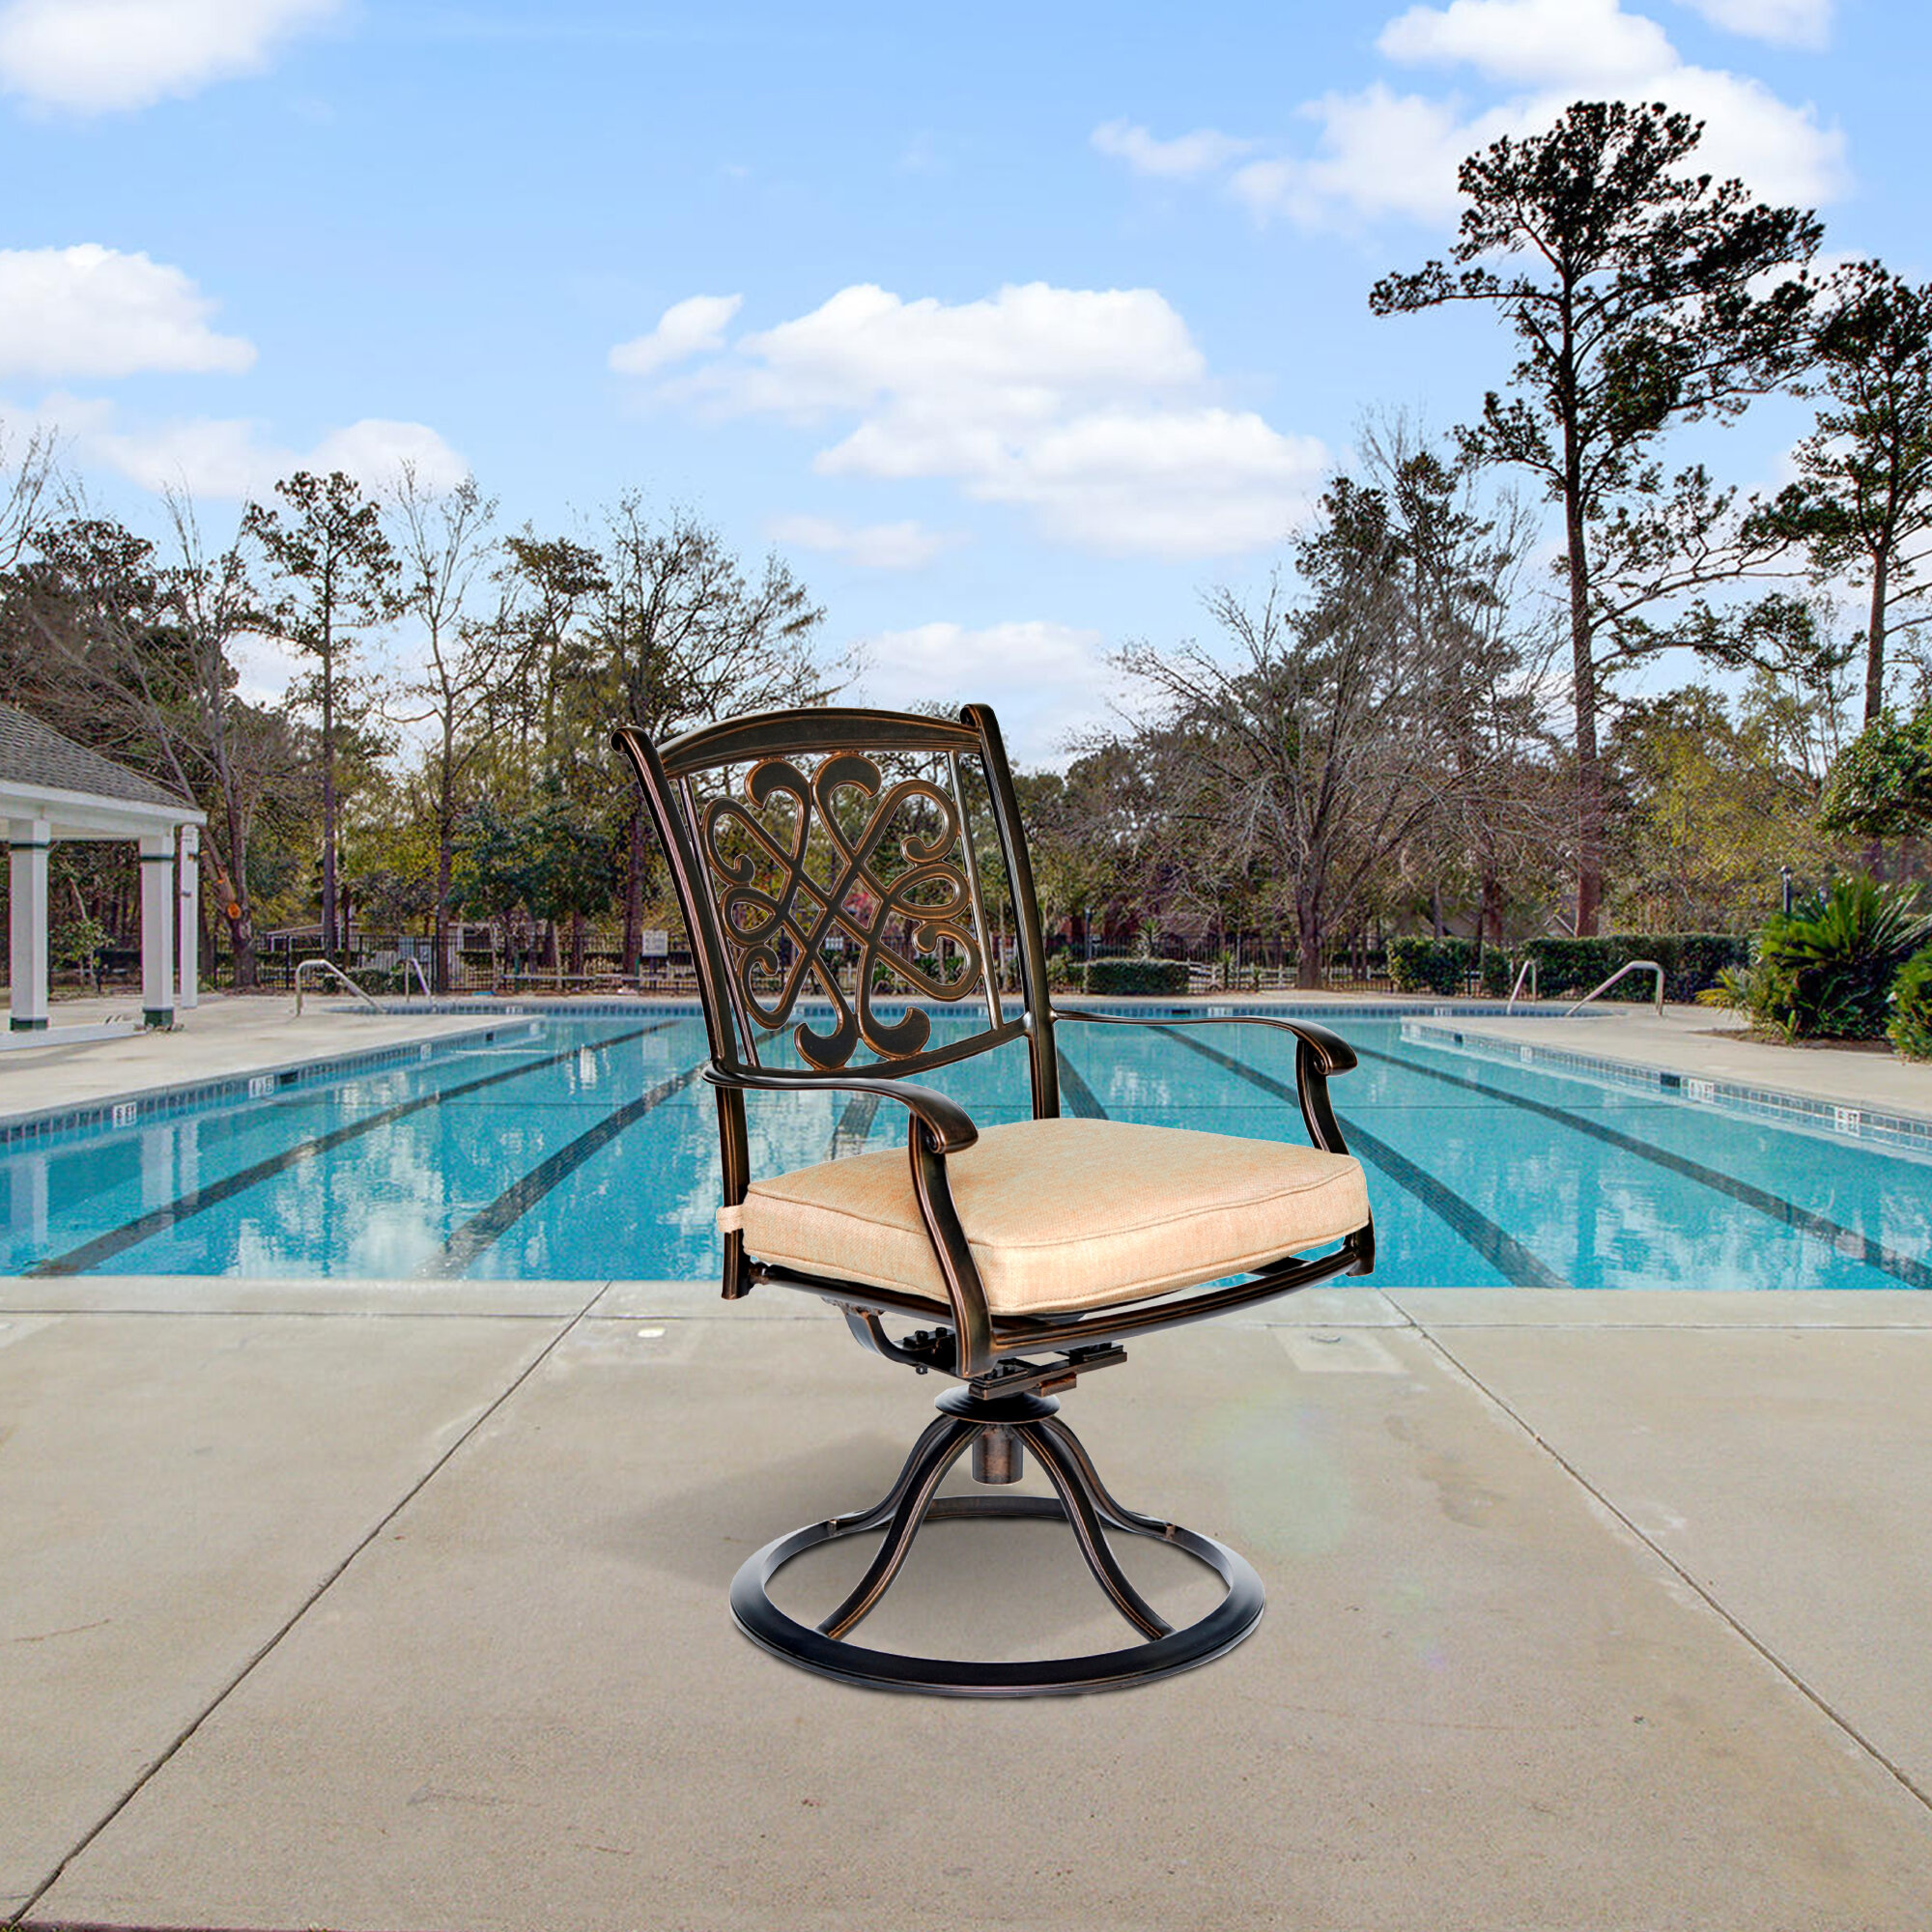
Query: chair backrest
{"points": [[865, 859]]}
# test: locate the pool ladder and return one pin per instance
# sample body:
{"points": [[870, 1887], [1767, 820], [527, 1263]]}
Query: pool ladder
{"points": [[335, 971], [1629, 966]]}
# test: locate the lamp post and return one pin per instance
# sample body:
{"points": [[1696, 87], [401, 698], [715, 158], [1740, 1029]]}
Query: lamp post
{"points": [[1784, 879]]}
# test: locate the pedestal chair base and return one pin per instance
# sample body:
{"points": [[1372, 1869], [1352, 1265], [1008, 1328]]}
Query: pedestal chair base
{"points": [[998, 1432]]}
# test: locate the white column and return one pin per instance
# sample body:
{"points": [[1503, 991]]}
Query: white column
{"points": [[157, 929], [189, 916], [27, 957]]}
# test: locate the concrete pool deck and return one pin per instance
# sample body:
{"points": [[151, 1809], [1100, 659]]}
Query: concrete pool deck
{"points": [[224, 1038], [374, 1606], [378, 1606]]}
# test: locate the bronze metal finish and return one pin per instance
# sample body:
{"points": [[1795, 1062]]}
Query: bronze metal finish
{"points": [[833, 851]]}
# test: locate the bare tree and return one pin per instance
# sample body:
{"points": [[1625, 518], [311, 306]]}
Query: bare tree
{"points": [[27, 478], [1486, 659], [147, 648], [1370, 719], [442, 545], [1310, 757]]}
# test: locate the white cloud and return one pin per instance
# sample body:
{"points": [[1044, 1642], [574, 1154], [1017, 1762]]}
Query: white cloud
{"points": [[1021, 351], [1570, 43], [1044, 679], [375, 449], [224, 459], [93, 311], [203, 457], [901, 546], [1786, 23], [96, 55], [1184, 157], [695, 327], [1090, 407], [1381, 152], [1172, 483]]}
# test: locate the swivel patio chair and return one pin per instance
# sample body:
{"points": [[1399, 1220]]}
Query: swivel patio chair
{"points": [[844, 855]]}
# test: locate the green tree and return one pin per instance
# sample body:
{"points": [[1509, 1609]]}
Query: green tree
{"points": [[548, 582], [683, 635], [548, 862], [1863, 501], [1640, 296], [1881, 786], [1707, 801], [337, 570]]}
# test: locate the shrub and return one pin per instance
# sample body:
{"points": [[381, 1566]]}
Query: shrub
{"points": [[1911, 1025], [1826, 972], [1692, 962], [1137, 976], [1498, 972], [1430, 965]]}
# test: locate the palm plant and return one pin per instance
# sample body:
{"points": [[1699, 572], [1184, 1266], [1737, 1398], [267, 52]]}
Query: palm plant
{"points": [[1827, 972], [1911, 1026]]}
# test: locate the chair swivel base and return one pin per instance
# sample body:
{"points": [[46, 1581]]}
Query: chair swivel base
{"points": [[995, 1429]]}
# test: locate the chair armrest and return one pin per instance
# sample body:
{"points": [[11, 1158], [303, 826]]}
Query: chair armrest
{"points": [[949, 1125], [1333, 1054], [938, 1127], [1319, 1052]]}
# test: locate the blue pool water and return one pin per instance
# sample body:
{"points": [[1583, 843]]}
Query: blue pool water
{"points": [[584, 1149]]}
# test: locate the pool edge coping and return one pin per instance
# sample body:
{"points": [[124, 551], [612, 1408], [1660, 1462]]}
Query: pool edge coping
{"points": [[137, 1105], [1868, 1127]]}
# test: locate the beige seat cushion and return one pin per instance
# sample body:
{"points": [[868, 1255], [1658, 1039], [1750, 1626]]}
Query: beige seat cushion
{"points": [[1064, 1215]]}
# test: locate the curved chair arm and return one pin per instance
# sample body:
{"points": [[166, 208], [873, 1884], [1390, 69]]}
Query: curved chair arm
{"points": [[950, 1125], [938, 1126], [1319, 1052]]}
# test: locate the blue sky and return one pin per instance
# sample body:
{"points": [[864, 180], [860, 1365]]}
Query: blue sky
{"points": [[1014, 327]]}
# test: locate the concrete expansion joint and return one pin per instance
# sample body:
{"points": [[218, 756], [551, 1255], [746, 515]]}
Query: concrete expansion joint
{"points": [[441, 1461], [1701, 1591]]}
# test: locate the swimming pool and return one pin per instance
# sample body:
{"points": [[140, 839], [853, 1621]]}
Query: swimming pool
{"points": [[585, 1148]]}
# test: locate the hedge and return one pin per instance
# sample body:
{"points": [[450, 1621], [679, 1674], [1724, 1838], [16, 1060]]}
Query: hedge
{"points": [[1691, 962], [1430, 965], [1137, 976]]}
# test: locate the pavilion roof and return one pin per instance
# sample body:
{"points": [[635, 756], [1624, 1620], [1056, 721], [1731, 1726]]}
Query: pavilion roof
{"points": [[33, 753]]}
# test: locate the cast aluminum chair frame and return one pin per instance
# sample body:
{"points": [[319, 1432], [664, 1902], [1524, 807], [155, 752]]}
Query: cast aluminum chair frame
{"points": [[756, 915]]}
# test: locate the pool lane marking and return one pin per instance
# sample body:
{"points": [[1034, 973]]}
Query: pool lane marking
{"points": [[1503, 1252], [483, 1230], [1080, 1096], [1847, 1242], [158, 1220]]}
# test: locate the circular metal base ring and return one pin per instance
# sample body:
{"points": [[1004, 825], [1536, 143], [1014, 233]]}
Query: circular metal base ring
{"points": [[1216, 1633]]}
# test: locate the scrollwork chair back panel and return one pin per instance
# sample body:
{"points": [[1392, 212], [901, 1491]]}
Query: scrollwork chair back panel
{"points": [[847, 869]]}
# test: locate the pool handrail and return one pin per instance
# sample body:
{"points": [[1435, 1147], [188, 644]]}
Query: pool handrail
{"points": [[1629, 966], [330, 967], [1526, 971], [415, 965]]}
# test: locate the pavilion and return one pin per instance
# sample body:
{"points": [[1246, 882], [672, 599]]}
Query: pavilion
{"points": [[52, 788]]}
